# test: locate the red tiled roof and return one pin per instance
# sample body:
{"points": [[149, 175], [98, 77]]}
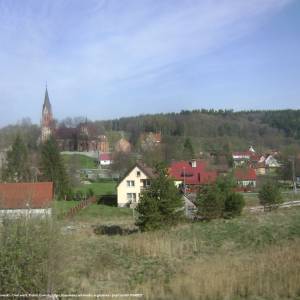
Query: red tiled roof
{"points": [[197, 175], [26, 195], [244, 174], [105, 156]]}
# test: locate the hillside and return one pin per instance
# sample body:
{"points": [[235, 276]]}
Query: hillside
{"points": [[209, 130]]}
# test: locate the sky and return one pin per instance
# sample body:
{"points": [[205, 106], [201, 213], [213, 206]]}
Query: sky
{"points": [[106, 59]]}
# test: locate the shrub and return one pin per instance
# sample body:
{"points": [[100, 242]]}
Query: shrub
{"points": [[30, 256], [270, 196], [220, 200], [210, 202], [234, 204]]}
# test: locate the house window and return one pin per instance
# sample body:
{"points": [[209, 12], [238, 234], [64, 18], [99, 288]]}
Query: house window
{"points": [[130, 183], [131, 197], [138, 174], [145, 183]]}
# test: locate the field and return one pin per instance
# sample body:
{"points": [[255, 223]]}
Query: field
{"points": [[81, 161], [99, 188], [253, 257]]}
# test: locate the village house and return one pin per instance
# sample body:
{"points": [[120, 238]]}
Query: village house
{"points": [[191, 174], [26, 199], [132, 184], [105, 159], [246, 178]]}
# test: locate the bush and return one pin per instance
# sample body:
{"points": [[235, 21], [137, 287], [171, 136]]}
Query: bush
{"points": [[234, 205], [30, 256], [210, 203], [270, 196], [220, 200]]}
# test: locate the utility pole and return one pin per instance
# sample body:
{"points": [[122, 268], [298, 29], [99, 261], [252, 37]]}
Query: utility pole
{"points": [[184, 188], [294, 176]]}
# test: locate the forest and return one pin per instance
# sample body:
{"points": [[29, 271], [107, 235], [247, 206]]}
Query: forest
{"points": [[208, 130]]}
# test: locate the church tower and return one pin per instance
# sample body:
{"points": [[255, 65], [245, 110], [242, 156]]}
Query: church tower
{"points": [[47, 119]]}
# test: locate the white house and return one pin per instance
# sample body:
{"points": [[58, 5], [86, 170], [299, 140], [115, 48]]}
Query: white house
{"points": [[272, 162], [105, 159], [130, 187]]}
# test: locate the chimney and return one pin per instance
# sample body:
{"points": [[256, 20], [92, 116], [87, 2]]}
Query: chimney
{"points": [[193, 163]]}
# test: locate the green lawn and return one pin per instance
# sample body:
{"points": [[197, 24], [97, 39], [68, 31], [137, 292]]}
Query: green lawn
{"points": [[95, 213], [99, 188], [82, 161]]}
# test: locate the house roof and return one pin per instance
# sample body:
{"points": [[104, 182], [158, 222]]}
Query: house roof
{"points": [[184, 171], [143, 167], [26, 195], [244, 174], [105, 156]]}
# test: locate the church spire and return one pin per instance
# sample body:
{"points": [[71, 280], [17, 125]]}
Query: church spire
{"points": [[47, 118], [47, 103]]}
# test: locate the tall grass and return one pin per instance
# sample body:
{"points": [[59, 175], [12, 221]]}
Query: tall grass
{"points": [[30, 256], [273, 274]]}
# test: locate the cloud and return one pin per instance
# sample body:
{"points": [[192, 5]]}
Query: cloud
{"points": [[99, 46]]}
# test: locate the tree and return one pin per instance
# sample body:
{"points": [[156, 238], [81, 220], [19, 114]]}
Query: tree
{"points": [[270, 196], [234, 204], [210, 202], [220, 200], [53, 168], [188, 150], [17, 167], [161, 204]]}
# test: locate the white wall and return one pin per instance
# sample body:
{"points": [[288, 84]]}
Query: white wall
{"points": [[15, 213], [123, 189]]}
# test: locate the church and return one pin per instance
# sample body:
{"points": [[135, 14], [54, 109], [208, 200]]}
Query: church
{"points": [[83, 138]]}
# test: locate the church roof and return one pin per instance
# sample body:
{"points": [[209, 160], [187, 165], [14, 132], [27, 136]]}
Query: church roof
{"points": [[47, 103]]}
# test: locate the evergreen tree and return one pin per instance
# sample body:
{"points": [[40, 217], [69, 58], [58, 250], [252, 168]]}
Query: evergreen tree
{"points": [[270, 196], [17, 166], [210, 202], [220, 200], [161, 204], [188, 150], [53, 168]]}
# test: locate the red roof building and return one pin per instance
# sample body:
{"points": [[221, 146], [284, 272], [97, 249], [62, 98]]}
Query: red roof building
{"points": [[105, 156], [194, 172], [26, 195], [244, 174], [245, 177]]}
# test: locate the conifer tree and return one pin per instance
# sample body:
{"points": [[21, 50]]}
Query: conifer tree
{"points": [[188, 149], [161, 204], [53, 168], [17, 166]]}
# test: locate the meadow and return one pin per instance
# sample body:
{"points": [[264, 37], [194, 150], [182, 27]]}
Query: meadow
{"points": [[255, 256]]}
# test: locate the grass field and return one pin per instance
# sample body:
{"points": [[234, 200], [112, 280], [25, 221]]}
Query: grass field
{"points": [[251, 257], [81, 161], [99, 188]]}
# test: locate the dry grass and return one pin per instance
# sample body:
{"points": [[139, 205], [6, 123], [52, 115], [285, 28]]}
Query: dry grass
{"points": [[272, 274], [252, 257]]}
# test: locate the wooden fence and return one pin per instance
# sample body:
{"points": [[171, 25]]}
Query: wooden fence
{"points": [[81, 205]]}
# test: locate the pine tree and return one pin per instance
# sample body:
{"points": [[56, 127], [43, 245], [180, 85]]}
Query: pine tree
{"points": [[17, 166], [188, 150], [53, 168], [161, 204]]}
